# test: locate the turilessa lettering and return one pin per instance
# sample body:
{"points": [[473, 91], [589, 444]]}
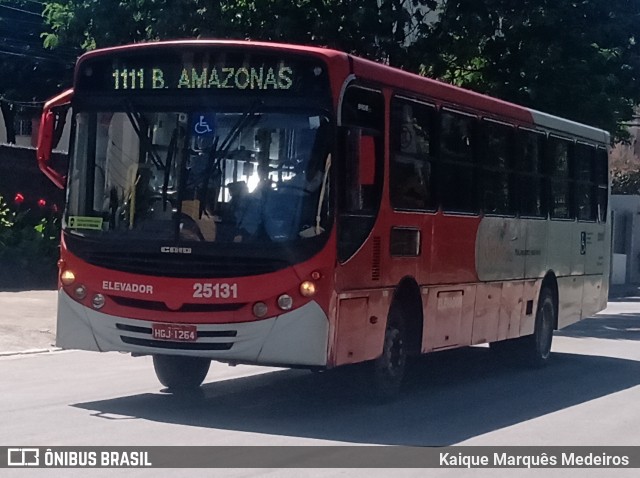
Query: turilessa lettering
{"points": [[243, 78]]}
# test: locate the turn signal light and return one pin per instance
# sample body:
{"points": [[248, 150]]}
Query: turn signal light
{"points": [[67, 277], [308, 289]]}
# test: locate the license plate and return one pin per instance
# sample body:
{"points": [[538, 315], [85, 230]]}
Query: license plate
{"points": [[174, 332]]}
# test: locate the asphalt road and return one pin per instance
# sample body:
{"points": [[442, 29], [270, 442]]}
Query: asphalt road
{"points": [[588, 395]]}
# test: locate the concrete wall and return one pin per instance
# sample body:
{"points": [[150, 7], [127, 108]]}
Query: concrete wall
{"points": [[626, 238], [21, 140]]}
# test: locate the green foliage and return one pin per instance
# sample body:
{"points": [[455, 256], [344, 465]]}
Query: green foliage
{"points": [[28, 248], [377, 30], [29, 71], [625, 182], [7, 217], [573, 58]]}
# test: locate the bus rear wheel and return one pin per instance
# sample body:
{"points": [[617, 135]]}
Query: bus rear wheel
{"points": [[179, 373], [538, 345], [533, 350]]}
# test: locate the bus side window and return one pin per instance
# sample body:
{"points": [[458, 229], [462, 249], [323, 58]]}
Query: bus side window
{"points": [[457, 171], [602, 181], [359, 168], [497, 170], [585, 182], [529, 175], [359, 178], [558, 168], [410, 171]]}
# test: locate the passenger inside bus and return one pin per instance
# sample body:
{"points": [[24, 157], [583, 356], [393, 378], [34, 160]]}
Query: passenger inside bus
{"points": [[244, 212]]}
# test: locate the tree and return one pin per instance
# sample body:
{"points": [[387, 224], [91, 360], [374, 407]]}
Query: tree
{"points": [[573, 58], [374, 29], [30, 74]]}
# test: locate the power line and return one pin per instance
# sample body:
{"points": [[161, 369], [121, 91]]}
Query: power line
{"points": [[22, 103], [21, 10], [26, 21], [36, 57], [35, 46]]}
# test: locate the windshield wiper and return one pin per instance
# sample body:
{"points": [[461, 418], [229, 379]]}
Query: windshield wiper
{"points": [[171, 150], [138, 123]]}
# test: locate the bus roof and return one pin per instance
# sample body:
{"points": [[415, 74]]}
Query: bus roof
{"points": [[455, 96], [411, 83]]}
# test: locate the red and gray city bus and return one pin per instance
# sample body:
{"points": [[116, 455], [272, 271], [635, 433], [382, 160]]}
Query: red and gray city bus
{"points": [[276, 204]]}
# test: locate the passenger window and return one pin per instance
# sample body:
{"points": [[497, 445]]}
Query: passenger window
{"points": [[457, 168], [586, 190], [602, 181], [497, 170], [558, 167], [360, 167], [410, 184], [529, 177]]}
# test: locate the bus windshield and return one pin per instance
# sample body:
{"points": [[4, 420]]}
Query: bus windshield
{"points": [[249, 176]]}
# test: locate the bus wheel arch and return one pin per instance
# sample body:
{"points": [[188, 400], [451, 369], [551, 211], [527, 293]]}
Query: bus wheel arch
{"points": [[534, 350], [402, 337], [407, 302]]}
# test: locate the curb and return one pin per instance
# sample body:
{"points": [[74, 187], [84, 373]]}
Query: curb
{"points": [[30, 352]]}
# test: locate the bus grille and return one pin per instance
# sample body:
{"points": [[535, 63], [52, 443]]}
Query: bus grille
{"points": [[166, 344], [162, 307], [184, 266]]}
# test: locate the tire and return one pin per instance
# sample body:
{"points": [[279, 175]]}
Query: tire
{"points": [[388, 370], [537, 349], [533, 350], [179, 373]]}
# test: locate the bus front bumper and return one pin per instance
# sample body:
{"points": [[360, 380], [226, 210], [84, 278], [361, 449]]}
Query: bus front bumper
{"points": [[298, 338]]}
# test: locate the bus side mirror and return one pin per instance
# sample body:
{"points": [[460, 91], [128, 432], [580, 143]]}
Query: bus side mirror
{"points": [[45, 138], [367, 155]]}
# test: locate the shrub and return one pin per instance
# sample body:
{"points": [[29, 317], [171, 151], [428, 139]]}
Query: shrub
{"points": [[28, 247]]}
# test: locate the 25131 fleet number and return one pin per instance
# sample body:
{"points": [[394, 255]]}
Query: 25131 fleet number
{"points": [[216, 291]]}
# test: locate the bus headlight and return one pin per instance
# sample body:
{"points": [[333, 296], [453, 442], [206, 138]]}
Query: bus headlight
{"points": [[259, 309], [285, 302], [67, 277], [308, 289], [98, 301]]}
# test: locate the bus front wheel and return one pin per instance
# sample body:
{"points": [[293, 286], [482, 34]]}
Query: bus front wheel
{"points": [[389, 368], [179, 373]]}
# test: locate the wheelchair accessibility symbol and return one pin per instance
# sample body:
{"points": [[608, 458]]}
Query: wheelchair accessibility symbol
{"points": [[202, 126]]}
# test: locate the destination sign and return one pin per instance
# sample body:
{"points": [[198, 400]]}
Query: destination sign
{"points": [[240, 78], [154, 70]]}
